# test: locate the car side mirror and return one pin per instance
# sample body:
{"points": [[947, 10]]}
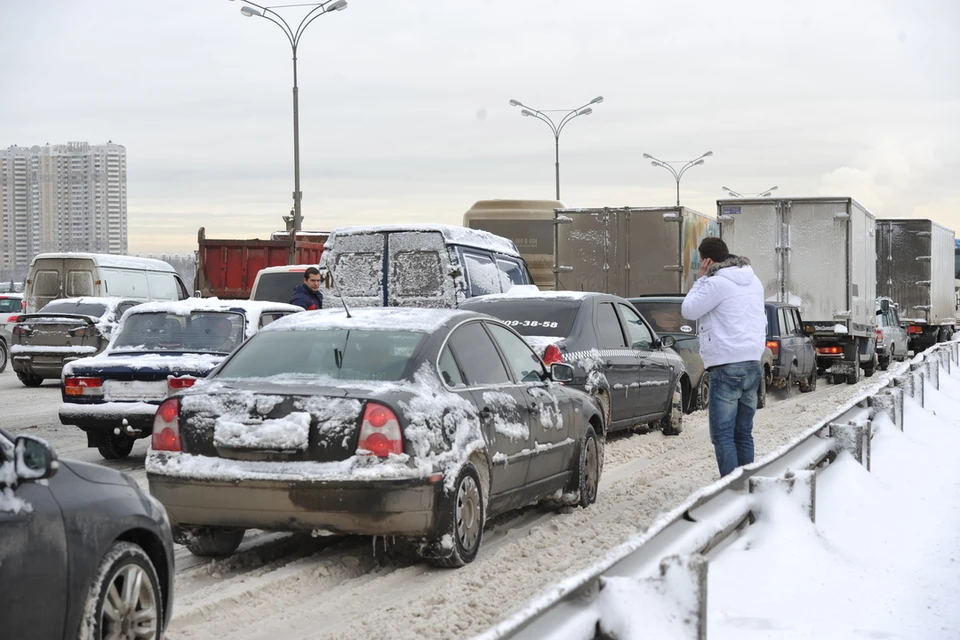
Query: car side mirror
{"points": [[35, 459], [561, 372], [668, 341]]}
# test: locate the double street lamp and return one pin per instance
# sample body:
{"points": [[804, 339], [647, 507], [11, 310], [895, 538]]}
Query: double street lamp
{"points": [[251, 9], [541, 114], [762, 194], [677, 174]]}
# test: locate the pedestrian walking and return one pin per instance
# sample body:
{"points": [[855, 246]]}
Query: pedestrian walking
{"points": [[307, 295], [727, 299]]}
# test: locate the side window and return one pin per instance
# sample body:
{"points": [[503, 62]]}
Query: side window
{"points": [[797, 323], [449, 370], [162, 286], [267, 318], [512, 270], [478, 356], [786, 322], [523, 361], [417, 274], [609, 331], [123, 306], [640, 335], [482, 274]]}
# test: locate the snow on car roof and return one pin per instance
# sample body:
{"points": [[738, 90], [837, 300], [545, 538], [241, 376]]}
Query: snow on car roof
{"points": [[369, 319], [451, 233], [189, 305], [287, 267], [110, 260], [108, 302]]}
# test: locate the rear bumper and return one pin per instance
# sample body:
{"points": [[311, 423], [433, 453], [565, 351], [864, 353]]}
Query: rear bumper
{"points": [[45, 365], [106, 416]]}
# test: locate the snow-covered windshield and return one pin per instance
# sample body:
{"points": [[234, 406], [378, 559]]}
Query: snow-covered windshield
{"points": [[347, 354], [79, 308], [199, 332]]}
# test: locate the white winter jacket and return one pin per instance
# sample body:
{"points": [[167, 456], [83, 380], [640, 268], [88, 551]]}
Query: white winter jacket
{"points": [[728, 302]]}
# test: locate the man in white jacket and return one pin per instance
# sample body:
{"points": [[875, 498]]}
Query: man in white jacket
{"points": [[727, 299]]}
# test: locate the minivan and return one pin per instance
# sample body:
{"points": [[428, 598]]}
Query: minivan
{"points": [[421, 265], [74, 275]]}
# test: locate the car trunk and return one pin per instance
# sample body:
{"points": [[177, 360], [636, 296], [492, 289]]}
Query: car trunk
{"points": [[62, 333]]}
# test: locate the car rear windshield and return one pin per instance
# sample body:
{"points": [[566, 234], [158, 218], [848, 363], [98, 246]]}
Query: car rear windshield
{"points": [[346, 354], [9, 304], [78, 308], [665, 317], [277, 287], [542, 317], [199, 332]]}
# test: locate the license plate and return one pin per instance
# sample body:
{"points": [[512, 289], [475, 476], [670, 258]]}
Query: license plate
{"points": [[135, 390]]}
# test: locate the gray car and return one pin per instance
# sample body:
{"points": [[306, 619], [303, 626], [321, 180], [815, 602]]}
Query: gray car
{"points": [[892, 338], [10, 304]]}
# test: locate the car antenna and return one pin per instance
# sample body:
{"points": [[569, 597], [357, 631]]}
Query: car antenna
{"points": [[342, 299]]}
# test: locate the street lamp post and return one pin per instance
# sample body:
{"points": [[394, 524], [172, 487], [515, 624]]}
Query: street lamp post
{"points": [[668, 165], [541, 114], [251, 9], [762, 194]]}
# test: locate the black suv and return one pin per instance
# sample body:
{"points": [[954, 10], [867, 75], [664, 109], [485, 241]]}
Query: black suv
{"points": [[794, 355]]}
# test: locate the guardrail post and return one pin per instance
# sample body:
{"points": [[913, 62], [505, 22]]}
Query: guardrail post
{"points": [[854, 438], [932, 368], [801, 486], [946, 358], [890, 402], [679, 578]]}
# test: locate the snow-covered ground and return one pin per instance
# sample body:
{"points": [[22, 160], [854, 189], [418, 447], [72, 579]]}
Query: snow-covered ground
{"points": [[295, 586]]}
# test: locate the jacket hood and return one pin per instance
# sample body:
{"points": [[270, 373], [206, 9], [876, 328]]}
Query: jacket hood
{"points": [[737, 269]]}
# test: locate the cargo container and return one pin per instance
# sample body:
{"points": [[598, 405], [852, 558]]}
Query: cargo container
{"points": [[529, 223], [915, 262], [819, 254], [629, 251], [227, 269]]}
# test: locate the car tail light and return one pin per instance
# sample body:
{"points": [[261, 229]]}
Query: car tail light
{"points": [[180, 383], [774, 347], [552, 354], [21, 330], [879, 335], [166, 427], [82, 386], [13, 318], [380, 433], [85, 331], [830, 351], [914, 328]]}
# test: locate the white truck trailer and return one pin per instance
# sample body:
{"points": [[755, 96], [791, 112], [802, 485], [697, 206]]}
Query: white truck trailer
{"points": [[915, 261], [629, 251], [819, 254]]}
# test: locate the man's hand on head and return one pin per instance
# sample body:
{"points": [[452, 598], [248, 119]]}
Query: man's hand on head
{"points": [[704, 265]]}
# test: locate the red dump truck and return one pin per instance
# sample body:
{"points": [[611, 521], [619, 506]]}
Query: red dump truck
{"points": [[227, 268]]}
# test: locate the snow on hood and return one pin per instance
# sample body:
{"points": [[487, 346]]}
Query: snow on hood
{"points": [[368, 319]]}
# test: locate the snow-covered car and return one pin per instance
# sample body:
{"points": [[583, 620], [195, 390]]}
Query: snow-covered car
{"points": [[159, 348], [10, 306], [62, 331], [417, 424], [84, 551]]}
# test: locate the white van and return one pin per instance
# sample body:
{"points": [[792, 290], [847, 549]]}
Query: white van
{"points": [[276, 284], [71, 275]]}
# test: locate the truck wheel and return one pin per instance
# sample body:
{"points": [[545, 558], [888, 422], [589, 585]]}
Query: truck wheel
{"points": [[854, 378], [114, 447], [868, 371], [884, 362], [810, 384], [210, 542]]}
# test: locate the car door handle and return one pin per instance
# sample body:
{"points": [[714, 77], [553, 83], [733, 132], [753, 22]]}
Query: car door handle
{"points": [[643, 365], [608, 364], [486, 413]]}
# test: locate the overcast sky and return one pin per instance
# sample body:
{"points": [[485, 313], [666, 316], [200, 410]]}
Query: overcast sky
{"points": [[404, 112]]}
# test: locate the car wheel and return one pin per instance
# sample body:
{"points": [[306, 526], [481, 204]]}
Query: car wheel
{"points": [[114, 447], [4, 355], [703, 392], [788, 386], [672, 423], [30, 380], [602, 401], [210, 542], [884, 363], [466, 515], [854, 378], [762, 391], [588, 480], [810, 384], [870, 367], [124, 600]]}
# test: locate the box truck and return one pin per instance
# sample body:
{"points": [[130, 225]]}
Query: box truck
{"points": [[629, 251], [819, 254], [915, 262]]}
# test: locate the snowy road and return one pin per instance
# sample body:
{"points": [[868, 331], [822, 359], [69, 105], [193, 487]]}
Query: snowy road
{"points": [[297, 586]]}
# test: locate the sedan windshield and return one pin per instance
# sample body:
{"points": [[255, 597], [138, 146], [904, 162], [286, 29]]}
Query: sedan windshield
{"points": [[347, 354], [666, 317], [198, 332], [79, 308]]}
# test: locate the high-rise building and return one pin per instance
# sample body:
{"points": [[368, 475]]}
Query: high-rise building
{"points": [[64, 197]]}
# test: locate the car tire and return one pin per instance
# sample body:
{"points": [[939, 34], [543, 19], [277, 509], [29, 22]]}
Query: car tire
{"points": [[139, 610], [868, 371], [211, 542], [30, 380], [854, 378], [4, 355], [810, 384], [788, 386], [703, 392], [588, 471], [884, 363], [466, 515], [115, 447], [762, 390], [672, 423]]}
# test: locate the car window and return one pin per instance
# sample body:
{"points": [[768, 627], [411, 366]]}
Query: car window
{"points": [[417, 274], [482, 274], [665, 317], [524, 363], [640, 335], [609, 331], [267, 318], [124, 306], [358, 274], [9, 304], [478, 356], [277, 286], [92, 309], [198, 332], [449, 370], [797, 322], [786, 322], [531, 317], [512, 270]]}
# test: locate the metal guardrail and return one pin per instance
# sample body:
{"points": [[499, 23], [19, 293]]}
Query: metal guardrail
{"points": [[669, 554]]}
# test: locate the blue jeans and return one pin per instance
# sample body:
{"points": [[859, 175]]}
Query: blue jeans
{"points": [[732, 404]]}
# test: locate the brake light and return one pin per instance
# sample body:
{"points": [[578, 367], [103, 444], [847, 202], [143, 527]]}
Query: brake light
{"points": [[380, 433], [21, 330], [85, 331], [180, 383], [13, 318], [830, 351], [552, 354], [914, 328], [166, 427], [82, 386], [774, 347], [879, 335]]}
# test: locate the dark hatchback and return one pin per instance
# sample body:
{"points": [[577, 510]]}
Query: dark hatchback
{"points": [[794, 354], [84, 552], [409, 424], [634, 375]]}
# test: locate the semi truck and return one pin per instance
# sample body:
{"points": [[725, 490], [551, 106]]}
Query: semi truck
{"points": [[915, 263], [227, 269], [819, 254], [628, 251]]}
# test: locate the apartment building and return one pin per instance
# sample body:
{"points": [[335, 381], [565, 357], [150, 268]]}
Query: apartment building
{"points": [[64, 197]]}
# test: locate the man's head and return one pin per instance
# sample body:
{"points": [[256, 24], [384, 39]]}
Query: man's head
{"points": [[713, 248], [311, 278]]}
